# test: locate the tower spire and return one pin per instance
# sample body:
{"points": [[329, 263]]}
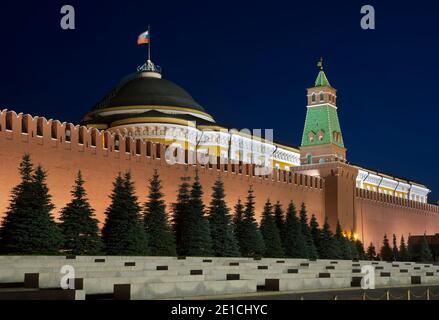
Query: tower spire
{"points": [[322, 80]]}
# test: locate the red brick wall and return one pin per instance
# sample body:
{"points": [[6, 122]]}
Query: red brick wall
{"points": [[99, 166], [379, 214]]}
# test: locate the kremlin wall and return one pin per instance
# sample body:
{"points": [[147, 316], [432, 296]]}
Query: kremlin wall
{"points": [[366, 202]]}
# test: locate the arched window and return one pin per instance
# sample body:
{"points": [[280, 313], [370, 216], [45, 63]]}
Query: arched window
{"points": [[309, 158], [322, 96], [311, 136], [320, 135], [313, 97]]}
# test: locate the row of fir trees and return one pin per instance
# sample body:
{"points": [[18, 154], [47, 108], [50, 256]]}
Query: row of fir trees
{"points": [[403, 252], [193, 229]]}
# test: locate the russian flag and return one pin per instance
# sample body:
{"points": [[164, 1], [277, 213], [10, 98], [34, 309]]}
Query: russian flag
{"points": [[143, 38]]}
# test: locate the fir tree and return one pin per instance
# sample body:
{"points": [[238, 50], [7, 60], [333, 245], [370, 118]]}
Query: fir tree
{"points": [[327, 247], [306, 232], [280, 220], [315, 232], [295, 244], [270, 233], [161, 240], [181, 210], [425, 255], [371, 252], [395, 250], [353, 245], [224, 243], [343, 245], [410, 248], [78, 224], [403, 251], [196, 240], [249, 236], [237, 218], [28, 227], [386, 252], [360, 249], [123, 232]]}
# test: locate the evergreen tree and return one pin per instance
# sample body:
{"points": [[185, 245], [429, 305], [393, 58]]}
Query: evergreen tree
{"points": [[78, 224], [181, 210], [403, 251], [270, 233], [371, 252], [295, 244], [280, 220], [196, 239], [410, 248], [238, 216], [395, 250], [306, 232], [224, 243], [315, 232], [425, 255], [353, 245], [249, 236], [327, 246], [28, 226], [161, 240], [360, 249], [386, 252], [343, 245], [123, 232]]}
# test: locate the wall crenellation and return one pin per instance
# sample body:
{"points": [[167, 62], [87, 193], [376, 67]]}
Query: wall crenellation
{"points": [[397, 201]]}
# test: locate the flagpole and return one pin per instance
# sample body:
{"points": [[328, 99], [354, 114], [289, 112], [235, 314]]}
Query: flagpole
{"points": [[149, 44]]}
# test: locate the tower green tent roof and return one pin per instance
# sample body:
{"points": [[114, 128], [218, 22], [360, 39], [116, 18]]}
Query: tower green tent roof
{"points": [[321, 80]]}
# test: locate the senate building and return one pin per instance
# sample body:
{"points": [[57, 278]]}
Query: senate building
{"points": [[138, 121]]}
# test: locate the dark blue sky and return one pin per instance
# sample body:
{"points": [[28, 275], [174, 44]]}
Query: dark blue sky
{"points": [[247, 63]]}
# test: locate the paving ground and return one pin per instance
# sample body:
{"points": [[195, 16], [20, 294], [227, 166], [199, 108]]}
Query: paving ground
{"points": [[418, 292]]}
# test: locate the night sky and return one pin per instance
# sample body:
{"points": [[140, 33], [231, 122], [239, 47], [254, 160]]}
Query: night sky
{"points": [[247, 63]]}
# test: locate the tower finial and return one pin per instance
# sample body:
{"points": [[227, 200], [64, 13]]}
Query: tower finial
{"points": [[320, 63]]}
